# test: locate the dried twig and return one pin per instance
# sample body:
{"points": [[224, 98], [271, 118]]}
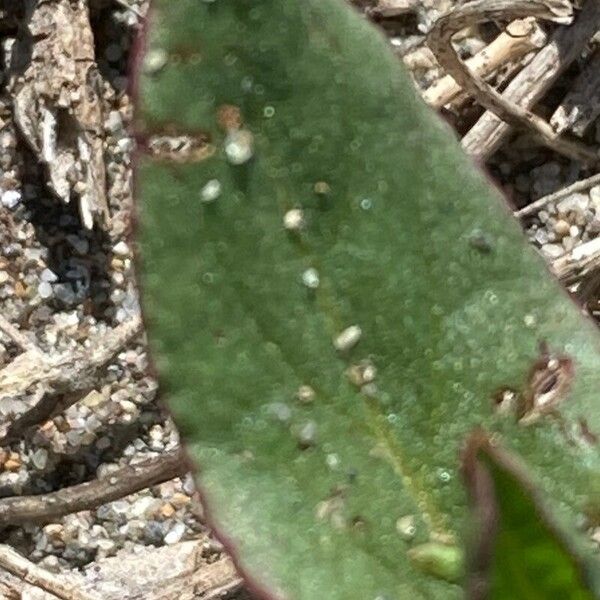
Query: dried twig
{"points": [[578, 186], [521, 36], [29, 572], [477, 11], [535, 79], [578, 263], [86, 496], [581, 106], [393, 8], [57, 382]]}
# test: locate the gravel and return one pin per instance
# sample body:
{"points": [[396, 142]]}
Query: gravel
{"points": [[70, 284]]}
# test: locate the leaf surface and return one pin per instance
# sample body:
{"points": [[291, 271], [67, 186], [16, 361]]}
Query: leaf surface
{"points": [[409, 243]]}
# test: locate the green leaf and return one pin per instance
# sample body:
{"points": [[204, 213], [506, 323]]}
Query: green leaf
{"points": [[520, 550], [320, 481]]}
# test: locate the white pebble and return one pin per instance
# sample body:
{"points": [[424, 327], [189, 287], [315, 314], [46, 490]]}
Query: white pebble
{"points": [[45, 290], [305, 394], [155, 60], [10, 198], [121, 249], [293, 220], [175, 534], [49, 276], [310, 278], [406, 527], [211, 191], [128, 406], [348, 338], [239, 146]]}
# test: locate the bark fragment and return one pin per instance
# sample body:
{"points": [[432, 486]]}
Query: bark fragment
{"points": [[57, 102]]}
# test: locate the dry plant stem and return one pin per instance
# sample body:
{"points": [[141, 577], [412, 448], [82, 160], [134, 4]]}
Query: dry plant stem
{"points": [[580, 262], [27, 571], [521, 36], [578, 186], [535, 79], [581, 106], [89, 495], [478, 11]]}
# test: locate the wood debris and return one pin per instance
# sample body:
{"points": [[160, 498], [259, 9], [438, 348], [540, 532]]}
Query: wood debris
{"points": [[581, 106], [566, 45], [178, 572], [46, 508], [41, 385], [477, 11], [57, 102], [520, 37]]}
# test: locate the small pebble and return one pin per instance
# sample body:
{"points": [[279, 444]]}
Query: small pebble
{"points": [[48, 276], [45, 290], [348, 338], [179, 500], [569, 243], [321, 188], [121, 249], [13, 463], [114, 122], [406, 527], [306, 434], [561, 227], [10, 198], [175, 534], [239, 146], [361, 374], [305, 394], [155, 60], [211, 191], [543, 216], [167, 510], [541, 237], [310, 278], [552, 250], [293, 220]]}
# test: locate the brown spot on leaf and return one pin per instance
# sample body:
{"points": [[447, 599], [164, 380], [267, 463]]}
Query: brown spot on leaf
{"points": [[179, 149], [229, 117]]}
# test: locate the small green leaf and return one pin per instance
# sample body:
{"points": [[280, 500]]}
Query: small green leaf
{"points": [[334, 297], [520, 550]]}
